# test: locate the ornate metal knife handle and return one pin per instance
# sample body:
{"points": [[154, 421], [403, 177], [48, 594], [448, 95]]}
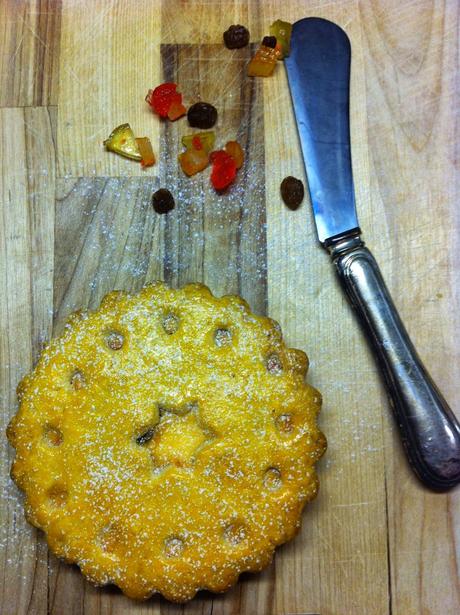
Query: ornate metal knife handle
{"points": [[429, 430]]}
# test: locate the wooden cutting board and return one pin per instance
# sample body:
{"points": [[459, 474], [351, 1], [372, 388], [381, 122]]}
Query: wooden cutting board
{"points": [[77, 222]]}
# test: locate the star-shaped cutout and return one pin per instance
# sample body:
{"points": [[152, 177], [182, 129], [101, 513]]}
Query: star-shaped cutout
{"points": [[177, 438]]}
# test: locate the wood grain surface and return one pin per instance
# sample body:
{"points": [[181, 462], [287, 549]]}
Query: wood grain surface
{"points": [[77, 222]]}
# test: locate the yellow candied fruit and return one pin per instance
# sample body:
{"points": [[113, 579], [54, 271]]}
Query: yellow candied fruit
{"points": [[122, 141]]}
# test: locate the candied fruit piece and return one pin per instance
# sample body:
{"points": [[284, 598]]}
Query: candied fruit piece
{"points": [[193, 161], [196, 157], [163, 98], [206, 139], [121, 141], [146, 151], [282, 31], [176, 110], [234, 149], [263, 63], [223, 169]]}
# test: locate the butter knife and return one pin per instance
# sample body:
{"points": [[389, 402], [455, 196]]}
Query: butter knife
{"points": [[318, 70]]}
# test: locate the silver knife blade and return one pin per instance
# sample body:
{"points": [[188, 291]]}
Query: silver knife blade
{"points": [[318, 70]]}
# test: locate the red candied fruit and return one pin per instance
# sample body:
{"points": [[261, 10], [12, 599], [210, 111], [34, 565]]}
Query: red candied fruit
{"points": [[196, 142], [163, 97], [223, 169]]}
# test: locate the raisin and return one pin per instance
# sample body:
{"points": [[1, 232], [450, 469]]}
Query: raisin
{"points": [[162, 201], [202, 115], [292, 192], [269, 41], [236, 37]]}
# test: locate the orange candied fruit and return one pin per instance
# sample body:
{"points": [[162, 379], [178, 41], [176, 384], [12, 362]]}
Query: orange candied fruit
{"points": [[234, 149], [145, 149], [193, 161], [264, 62], [176, 110]]}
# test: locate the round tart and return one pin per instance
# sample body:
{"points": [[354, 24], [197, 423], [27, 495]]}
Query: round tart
{"points": [[166, 442]]}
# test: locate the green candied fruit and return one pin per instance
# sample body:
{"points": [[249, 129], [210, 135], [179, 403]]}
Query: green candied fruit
{"points": [[282, 30]]}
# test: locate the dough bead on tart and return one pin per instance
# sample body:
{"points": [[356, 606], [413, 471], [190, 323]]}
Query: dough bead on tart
{"points": [[166, 442]]}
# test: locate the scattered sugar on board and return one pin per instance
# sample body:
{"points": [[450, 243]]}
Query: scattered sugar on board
{"points": [[135, 264]]}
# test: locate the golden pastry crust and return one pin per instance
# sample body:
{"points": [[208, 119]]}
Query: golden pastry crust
{"points": [[166, 442]]}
